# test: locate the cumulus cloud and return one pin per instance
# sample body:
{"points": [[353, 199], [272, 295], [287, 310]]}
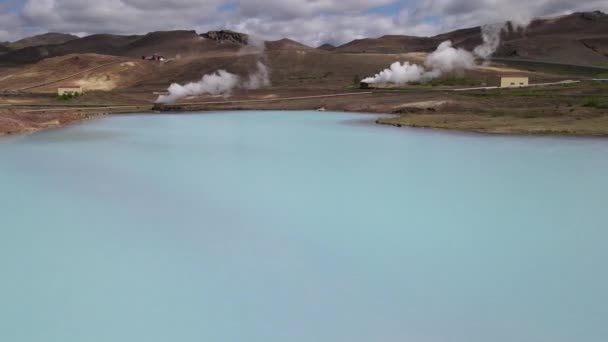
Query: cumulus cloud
{"points": [[454, 14], [311, 22], [10, 24]]}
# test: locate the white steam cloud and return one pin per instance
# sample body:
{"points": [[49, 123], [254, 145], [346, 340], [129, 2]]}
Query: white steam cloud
{"points": [[443, 60], [222, 82], [491, 34], [259, 79], [446, 58], [218, 83], [491, 40]]}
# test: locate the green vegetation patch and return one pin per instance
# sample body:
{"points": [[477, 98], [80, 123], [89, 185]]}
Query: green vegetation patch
{"points": [[597, 102], [524, 92], [454, 81], [67, 96]]}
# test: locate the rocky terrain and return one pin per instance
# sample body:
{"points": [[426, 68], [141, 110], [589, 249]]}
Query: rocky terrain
{"points": [[117, 70], [51, 38], [19, 121], [579, 38], [227, 36]]}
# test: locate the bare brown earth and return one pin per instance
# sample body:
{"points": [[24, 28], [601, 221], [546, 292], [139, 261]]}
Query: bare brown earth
{"points": [[116, 79], [41, 39], [23, 121], [579, 38], [566, 109], [576, 109]]}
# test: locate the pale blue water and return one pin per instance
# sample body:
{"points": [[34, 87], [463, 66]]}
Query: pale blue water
{"points": [[305, 226]]}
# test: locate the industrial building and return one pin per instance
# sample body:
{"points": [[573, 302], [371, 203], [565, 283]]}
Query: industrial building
{"points": [[69, 89], [509, 81]]}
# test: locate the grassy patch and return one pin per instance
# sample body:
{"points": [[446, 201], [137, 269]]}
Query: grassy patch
{"points": [[484, 94], [552, 68], [67, 96], [602, 75], [597, 102], [530, 92], [524, 92], [454, 81]]}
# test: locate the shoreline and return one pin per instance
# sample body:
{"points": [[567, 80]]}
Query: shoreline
{"points": [[15, 122], [579, 110], [60, 119], [491, 131]]}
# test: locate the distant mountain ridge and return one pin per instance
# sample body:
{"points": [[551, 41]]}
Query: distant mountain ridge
{"points": [[580, 38], [50, 38], [576, 38]]}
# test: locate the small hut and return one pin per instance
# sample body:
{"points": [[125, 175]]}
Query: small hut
{"points": [[71, 89], [509, 81]]}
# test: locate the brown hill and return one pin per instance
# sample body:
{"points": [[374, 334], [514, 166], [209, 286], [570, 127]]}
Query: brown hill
{"points": [[467, 38], [286, 44], [91, 71], [327, 47], [170, 44], [51, 38], [106, 44], [579, 38], [177, 44], [227, 36], [291, 64], [388, 44]]}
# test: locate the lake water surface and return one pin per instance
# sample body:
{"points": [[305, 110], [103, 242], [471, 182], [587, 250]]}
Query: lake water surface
{"points": [[300, 227]]}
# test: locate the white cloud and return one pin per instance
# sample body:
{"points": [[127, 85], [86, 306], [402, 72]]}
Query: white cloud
{"points": [[10, 24], [310, 21], [314, 31]]}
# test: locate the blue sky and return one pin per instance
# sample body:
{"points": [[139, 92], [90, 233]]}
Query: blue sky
{"points": [[389, 9], [312, 22], [15, 6]]}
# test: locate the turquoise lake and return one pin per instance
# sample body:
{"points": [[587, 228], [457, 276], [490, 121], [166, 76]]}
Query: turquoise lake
{"points": [[300, 227]]}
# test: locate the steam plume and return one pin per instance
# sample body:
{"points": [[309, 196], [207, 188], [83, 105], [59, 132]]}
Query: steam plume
{"points": [[259, 79], [491, 39], [491, 34], [218, 83], [222, 82], [448, 59], [443, 60]]}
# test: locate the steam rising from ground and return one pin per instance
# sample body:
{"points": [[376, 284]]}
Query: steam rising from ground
{"points": [[447, 59], [491, 40], [222, 82], [444, 60], [218, 83], [259, 79]]}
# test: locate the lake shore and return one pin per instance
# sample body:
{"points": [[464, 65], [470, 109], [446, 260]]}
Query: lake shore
{"points": [[20, 122], [26, 122], [573, 110], [509, 125]]}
